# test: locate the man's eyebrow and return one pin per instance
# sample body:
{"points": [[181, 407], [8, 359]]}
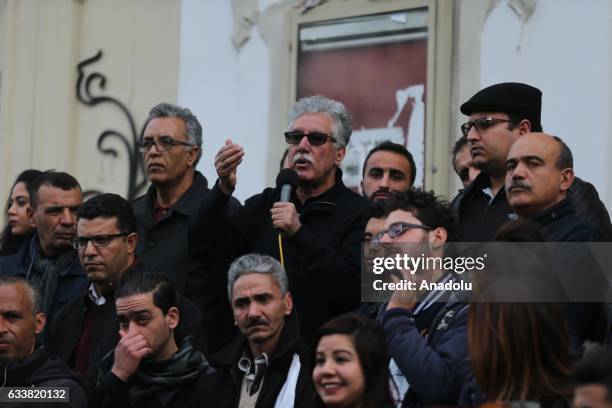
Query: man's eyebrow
{"points": [[132, 313], [11, 312], [533, 157]]}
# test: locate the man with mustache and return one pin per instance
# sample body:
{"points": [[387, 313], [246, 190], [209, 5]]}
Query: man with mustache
{"points": [[498, 116], [48, 260], [266, 365], [23, 363], [388, 167], [171, 147], [539, 173], [86, 329], [321, 225]]}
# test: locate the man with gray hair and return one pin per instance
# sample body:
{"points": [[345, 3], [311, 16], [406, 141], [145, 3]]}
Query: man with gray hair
{"points": [[266, 364], [22, 363], [321, 224], [171, 146]]}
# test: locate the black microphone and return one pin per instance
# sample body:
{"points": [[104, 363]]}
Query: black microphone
{"points": [[287, 180]]}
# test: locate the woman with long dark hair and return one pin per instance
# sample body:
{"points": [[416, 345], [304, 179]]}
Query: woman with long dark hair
{"points": [[351, 364], [519, 351], [17, 227]]}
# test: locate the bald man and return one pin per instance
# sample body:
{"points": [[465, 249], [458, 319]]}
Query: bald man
{"points": [[539, 173]]}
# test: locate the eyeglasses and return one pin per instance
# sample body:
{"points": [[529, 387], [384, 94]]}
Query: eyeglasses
{"points": [[398, 228], [314, 138], [97, 240], [481, 124], [163, 144]]}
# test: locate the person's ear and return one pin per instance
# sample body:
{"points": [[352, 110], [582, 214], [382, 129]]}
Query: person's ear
{"points": [[567, 178], [132, 241], [340, 152], [288, 301], [172, 317], [524, 126], [193, 155], [39, 323], [30, 215], [437, 237]]}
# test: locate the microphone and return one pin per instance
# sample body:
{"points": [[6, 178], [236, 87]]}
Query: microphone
{"points": [[287, 180]]}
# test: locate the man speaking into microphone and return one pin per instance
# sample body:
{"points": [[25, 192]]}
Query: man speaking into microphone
{"points": [[322, 222]]}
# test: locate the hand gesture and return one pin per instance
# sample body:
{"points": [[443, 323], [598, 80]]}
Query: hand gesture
{"points": [[128, 353], [285, 218], [226, 164], [406, 299]]}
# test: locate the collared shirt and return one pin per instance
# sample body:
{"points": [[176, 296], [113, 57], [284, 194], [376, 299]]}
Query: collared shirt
{"points": [[481, 213], [252, 382], [92, 293]]}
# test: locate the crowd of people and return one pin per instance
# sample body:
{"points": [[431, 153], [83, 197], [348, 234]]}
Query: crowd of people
{"points": [[186, 297]]}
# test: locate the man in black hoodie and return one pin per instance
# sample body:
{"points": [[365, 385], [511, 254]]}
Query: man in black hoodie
{"points": [[22, 364]]}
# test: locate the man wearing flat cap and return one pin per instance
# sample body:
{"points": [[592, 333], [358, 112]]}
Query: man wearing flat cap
{"points": [[498, 116]]}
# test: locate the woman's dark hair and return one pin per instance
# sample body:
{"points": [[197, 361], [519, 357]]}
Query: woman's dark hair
{"points": [[9, 243], [512, 354], [371, 347]]}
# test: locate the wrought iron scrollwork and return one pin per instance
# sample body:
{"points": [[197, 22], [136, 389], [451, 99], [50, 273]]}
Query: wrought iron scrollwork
{"points": [[136, 177]]}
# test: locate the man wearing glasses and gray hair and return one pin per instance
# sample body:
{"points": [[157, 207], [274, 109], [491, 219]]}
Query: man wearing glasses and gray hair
{"points": [[171, 146], [316, 233]]}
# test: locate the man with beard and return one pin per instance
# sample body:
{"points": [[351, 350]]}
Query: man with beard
{"points": [[266, 365], [320, 227], [48, 259], [388, 167], [22, 363], [426, 330]]}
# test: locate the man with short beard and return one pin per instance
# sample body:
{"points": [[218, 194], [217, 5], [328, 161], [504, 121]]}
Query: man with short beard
{"points": [[388, 167], [426, 330], [321, 225], [266, 365]]}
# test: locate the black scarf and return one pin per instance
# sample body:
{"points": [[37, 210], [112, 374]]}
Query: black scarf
{"points": [[165, 378]]}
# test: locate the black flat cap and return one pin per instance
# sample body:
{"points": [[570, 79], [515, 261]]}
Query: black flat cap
{"points": [[508, 97]]}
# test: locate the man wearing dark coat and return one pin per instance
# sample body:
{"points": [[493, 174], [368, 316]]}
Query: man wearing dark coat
{"points": [[266, 365], [171, 147], [48, 260], [22, 363], [498, 116], [316, 233], [539, 175]]}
